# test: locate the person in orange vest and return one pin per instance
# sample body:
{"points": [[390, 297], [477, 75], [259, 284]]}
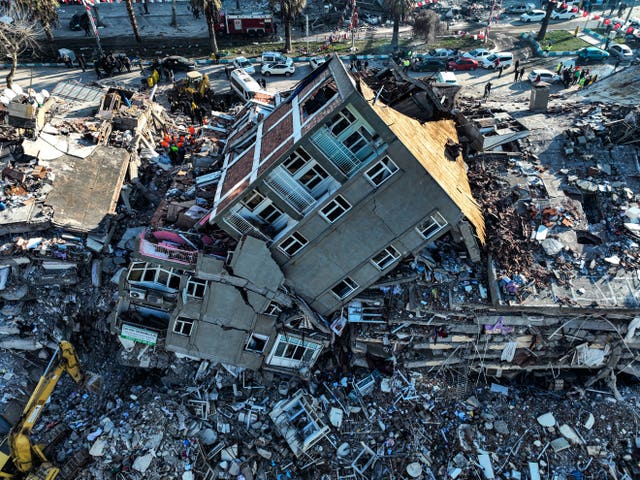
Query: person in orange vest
{"points": [[192, 131]]}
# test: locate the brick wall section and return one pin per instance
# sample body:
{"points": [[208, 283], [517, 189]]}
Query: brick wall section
{"points": [[282, 110], [279, 152], [232, 196], [237, 171], [273, 141]]}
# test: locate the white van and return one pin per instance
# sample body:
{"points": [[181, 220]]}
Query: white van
{"points": [[447, 78], [506, 60], [244, 84], [273, 57]]}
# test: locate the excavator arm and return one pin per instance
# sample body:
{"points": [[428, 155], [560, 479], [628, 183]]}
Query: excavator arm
{"points": [[22, 450]]}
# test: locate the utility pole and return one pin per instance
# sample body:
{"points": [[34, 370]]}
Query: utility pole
{"points": [[486, 31], [94, 29], [626, 20]]}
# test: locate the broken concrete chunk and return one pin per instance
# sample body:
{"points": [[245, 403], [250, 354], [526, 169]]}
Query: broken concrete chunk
{"points": [[559, 444], [97, 449], [335, 417], [414, 470], [534, 471], [569, 433], [588, 424], [485, 463], [141, 464], [552, 246], [547, 420]]}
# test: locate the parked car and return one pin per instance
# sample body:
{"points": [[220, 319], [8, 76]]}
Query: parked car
{"points": [[177, 63], [441, 54], [447, 78], [273, 57], [505, 59], [477, 54], [519, 8], [315, 62], [370, 19], [592, 54], [545, 76], [533, 16], [566, 14], [621, 51], [287, 69], [421, 64], [243, 64], [462, 64]]}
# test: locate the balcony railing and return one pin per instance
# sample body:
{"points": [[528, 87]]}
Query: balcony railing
{"points": [[167, 252], [290, 190], [243, 226]]}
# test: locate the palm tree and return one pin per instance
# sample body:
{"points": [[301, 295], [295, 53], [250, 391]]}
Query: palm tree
{"points": [[134, 21], [45, 12], [398, 9], [174, 14], [211, 9], [289, 9]]}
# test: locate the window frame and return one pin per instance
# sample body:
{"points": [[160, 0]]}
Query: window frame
{"points": [[350, 283], [431, 220], [259, 336], [183, 322], [291, 237], [192, 286], [334, 205], [383, 168], [388, 257], [291, 348]]}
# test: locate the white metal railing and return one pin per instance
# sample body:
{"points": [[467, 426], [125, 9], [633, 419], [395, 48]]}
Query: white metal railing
{"points": [[290, 190], [243, 226], [335, 151]]}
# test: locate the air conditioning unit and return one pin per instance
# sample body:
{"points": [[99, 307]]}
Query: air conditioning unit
{"points": [[137, 294]]}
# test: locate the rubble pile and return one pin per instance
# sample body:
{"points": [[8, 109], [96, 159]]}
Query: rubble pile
{"points": [[204, 421]]}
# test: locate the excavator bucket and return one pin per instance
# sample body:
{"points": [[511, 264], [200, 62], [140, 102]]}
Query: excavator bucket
{"points": [[93, 382]]}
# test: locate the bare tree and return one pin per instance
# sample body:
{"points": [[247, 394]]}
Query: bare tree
{"points": [[545, 21], [16, 36], [174, 14], [133, 20], [427, 25]]}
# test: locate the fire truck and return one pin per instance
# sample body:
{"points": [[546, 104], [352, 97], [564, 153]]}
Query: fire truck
{"points": [[252, 24]]}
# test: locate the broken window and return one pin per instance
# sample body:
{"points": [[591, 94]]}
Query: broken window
{"points": [[183, 326], [344, 288], [319, 99], [141, 272], [256, 343], [290, 350], [196, 287], [333, 210], [273, 309], [340, 122], [381, 171], [432, 225], [293, 244], [262, 207], [386, 257]]}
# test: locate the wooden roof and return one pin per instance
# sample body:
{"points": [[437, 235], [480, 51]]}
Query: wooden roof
{"points": [[426, 142]]}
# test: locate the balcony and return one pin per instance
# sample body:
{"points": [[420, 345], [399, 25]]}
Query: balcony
{"points": [[168, 246], [244, 227], [343, 158]]}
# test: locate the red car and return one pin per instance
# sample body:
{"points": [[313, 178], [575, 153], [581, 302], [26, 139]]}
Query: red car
{"points": [[462, 64]]}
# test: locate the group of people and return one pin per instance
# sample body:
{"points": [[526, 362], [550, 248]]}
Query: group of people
{"points": [[575, 76], [178, 144]]}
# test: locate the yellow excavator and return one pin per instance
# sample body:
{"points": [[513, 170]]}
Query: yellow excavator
{"points": [[19, 457]]}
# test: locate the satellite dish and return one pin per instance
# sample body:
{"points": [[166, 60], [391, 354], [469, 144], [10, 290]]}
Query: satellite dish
{"points": [[45, 93], [4, 100], [39, 98]]}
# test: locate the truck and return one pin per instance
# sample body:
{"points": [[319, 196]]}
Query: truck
{"points": [[250, 24], [19, 456]]}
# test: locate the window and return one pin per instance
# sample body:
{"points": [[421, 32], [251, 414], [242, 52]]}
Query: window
{"points": [[270, 213], [381, 171], [298, 159], [141, 272], [357, 140], [196, 288], [292, 351], [304, 169], [321, 97], [293, 244], [344, 288], [432, 225], [262, 207], [273, 309], [333, 210], [183, 326], [340, 122], [386, 257], [253, 200], [256, 343]]}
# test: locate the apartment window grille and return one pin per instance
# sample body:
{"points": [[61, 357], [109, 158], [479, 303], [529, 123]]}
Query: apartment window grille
{"points": [[381, 171], [386, 257], [344, 288], [333, 210], [183, 326], [293, 244], [432, 225]]}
